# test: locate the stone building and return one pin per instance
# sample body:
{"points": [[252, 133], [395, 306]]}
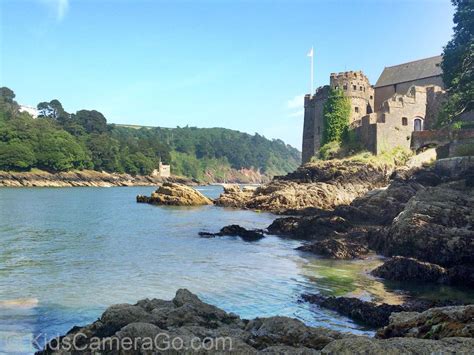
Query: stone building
{"points": [[406, 98]]}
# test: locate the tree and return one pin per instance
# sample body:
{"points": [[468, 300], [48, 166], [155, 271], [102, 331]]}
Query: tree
{"points": [[92, 121], [458, 64], [16, 156], [336, 115], [8, 106]]}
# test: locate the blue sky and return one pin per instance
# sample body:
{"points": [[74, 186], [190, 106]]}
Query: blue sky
{"points": [[233, 64]]}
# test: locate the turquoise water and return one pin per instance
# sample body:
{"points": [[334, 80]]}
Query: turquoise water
{"points": [[68, 253]]}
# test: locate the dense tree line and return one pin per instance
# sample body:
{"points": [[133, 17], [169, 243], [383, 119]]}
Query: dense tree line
{"points": [[61, 141], [458, 64]]}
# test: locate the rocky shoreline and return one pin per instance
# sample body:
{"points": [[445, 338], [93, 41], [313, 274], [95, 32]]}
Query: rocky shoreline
{"points": [[83, 178], [422, 219], [185, 324]]}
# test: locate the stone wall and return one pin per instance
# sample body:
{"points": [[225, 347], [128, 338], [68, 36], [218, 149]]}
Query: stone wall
{"points": [[313, 122], [393, 125], [385, 92]]}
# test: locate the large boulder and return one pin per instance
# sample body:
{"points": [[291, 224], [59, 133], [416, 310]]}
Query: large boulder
{"points": [[435, 323], [435, 226], [174, 194]]}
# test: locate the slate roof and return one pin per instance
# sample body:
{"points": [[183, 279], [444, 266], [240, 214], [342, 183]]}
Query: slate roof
{"points": [[418, 69]]}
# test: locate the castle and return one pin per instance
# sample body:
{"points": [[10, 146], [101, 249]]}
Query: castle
{"points": [[406, 98]]}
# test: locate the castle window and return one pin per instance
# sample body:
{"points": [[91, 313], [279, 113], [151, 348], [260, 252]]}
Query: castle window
{"points": [[354, 87], [371, 97], [345, 87], [356, 109], [361, 88], [336, 87], [404, 121]]}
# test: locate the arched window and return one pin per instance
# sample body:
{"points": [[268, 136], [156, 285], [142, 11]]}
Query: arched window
{"points": [[404, 121], [418, 124]]}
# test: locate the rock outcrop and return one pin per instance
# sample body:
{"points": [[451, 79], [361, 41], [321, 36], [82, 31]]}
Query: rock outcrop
{"points": [[196, 323], [186, 324], [437, 225], [435, 323], [173, 194], [370, 313], [321, 185], [409, 269]]}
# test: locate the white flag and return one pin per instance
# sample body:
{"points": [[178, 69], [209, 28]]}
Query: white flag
{"points": [[310, 54]]}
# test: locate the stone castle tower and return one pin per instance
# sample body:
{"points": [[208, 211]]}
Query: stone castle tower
{"points": [[356, 87], [405, 98]]}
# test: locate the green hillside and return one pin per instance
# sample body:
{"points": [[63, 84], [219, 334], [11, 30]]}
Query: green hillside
{"points": [[61, 141]]}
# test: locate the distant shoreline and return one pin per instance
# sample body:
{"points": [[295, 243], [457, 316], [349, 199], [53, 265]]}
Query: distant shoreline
{"points": [[92, 178], [82, 178]]}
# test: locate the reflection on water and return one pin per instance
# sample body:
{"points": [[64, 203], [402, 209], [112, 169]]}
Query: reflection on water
{"points": [[66, 254]]}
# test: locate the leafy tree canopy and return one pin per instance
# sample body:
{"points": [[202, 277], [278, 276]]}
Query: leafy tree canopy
{"points": [[59, 141], [458, 64]]}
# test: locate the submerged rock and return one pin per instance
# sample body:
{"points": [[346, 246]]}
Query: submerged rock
{"points": [[174, 194], [235, 230]]}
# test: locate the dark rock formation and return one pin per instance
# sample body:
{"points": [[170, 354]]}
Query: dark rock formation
{"points": [[437, 225], [367, 313], [236, 231], [192, 321], [173, 194], [435, 323], [409, 269], [370, 313], [336, 248], [400, 268]]}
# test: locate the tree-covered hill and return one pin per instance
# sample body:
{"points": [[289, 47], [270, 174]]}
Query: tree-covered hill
{"points": [[61, 141]]}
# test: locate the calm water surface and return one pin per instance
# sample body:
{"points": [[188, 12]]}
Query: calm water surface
{"points": [[68, 253]]}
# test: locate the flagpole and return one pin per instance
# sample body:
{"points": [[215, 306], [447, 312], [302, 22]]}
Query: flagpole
{"points": [[312, 69]]}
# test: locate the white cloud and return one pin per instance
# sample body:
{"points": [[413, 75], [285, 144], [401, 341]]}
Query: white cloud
{"points": [[58, 7], [61, 8], [296, 102]]}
